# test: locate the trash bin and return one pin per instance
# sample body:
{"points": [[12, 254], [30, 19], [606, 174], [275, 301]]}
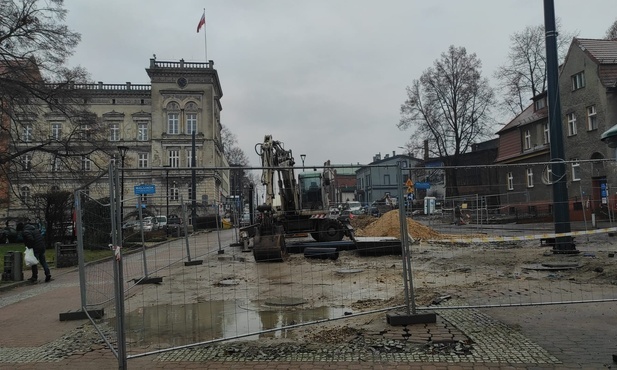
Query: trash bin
{"points": [[13, 266]]}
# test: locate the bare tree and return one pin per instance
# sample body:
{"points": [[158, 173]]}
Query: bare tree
{"points": [[611, 33], [449, 105], [36, 88], [524, 74]]}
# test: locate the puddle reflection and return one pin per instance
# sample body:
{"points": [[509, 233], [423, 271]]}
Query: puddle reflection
{"points": [[173, 325]]}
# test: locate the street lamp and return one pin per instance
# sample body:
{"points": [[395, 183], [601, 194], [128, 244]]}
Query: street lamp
{"points": [[303, 156], [122, 150], [167, 188]]}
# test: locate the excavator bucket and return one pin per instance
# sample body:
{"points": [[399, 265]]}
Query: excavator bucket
{"points": [[269, 248]]}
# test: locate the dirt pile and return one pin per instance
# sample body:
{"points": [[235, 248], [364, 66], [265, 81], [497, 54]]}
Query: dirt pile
{"points": [[389, 225]]}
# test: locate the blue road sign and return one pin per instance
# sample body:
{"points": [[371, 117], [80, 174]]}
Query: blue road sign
{"points": [[422, 185], [144, 189]]}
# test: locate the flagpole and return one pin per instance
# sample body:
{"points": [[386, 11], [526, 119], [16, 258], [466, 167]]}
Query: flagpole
{"points": [[205, 37]]}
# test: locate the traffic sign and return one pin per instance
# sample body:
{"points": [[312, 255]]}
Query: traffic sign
{"points": [[409, 190], [422, 185], [144, 189], [409, 183]]}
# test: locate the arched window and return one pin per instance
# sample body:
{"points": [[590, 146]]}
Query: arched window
{"points": [[174, 192], [173, 118], [190, 110]]}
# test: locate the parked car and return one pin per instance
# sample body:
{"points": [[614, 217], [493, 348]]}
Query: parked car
{"points": [[153, 220], [162, 221], [147, 225], [174, 225], [348, 214]]}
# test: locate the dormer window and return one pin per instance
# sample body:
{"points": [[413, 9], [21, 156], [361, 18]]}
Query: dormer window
{"points": [[539, 104]]}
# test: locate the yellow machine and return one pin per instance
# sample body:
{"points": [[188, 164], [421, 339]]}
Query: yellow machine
{"points": [[303, 204]]}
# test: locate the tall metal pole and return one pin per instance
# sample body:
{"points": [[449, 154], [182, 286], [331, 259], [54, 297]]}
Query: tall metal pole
{"points": [[560, 191], [193, 184]]}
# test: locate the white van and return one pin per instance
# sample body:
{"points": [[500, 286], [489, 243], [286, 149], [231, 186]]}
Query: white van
{"points": [[354, 205], [162, 221]]}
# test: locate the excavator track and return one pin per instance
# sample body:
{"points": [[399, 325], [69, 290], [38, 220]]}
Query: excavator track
{"points": [[269, 248]]}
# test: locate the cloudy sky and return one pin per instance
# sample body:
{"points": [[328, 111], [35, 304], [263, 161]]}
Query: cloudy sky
{"points": [[326, 77]]}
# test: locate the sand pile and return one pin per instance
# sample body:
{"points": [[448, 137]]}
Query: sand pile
{"points": [[389, 225]]}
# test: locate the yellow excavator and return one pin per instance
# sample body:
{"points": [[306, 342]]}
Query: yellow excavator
{"points": [[303, 206]]}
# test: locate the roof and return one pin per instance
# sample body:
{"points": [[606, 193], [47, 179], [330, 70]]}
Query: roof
{"points": [[525, 117], [603, 53]]}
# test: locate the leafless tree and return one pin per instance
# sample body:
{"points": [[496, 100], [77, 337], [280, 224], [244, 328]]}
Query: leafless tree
{"points": [[36, 86], [449, 105], [523, 76], [611, 33]]}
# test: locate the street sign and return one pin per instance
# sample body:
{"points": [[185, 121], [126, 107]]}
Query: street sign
{"points": [[409, 183], [422, 185], [409, 190], [144, 189]]}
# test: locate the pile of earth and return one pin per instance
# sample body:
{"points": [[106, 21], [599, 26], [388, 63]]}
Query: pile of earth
{"points": [[389, 225]]}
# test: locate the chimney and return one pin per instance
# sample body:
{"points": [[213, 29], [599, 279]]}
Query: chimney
{"points": [[425, 150], [394, 153]]}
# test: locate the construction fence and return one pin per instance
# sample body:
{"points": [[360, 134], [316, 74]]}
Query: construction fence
{"points": [[166, 292]]}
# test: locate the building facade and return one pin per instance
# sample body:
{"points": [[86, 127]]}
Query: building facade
{"points": [[381, 177], [147, 129]]}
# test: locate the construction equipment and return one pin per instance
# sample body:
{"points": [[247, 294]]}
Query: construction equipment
{"points": [[298, 207]]}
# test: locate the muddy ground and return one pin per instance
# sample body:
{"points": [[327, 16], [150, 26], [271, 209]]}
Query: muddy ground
{"points": [[519, 272]]}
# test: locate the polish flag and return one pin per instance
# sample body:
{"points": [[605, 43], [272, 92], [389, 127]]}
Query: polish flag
{"points": [[202, 21]]}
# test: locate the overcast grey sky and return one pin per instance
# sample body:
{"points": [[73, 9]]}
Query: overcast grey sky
{"points": [[326, 77]]}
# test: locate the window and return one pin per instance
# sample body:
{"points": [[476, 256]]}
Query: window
{"points": [[190, 192], [510, 180], [55, 164], [174, 192], [576, 171], [27, 133], [386, 179], [142, 160], [25, 194], [114, 132], [86, 163], [191, 123], [527, 143], [84, 132], [571, 124], [547, 134], [173, 118], [55, 188], [592, 119], [142, 131], [578, 81], [539, 104], [173, 124], [174, 158], [56, 131], [189, 157], [26, 162], [530, 178]]}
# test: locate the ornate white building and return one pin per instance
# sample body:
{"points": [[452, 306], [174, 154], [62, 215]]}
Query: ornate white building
{"points": [[147, 127]]}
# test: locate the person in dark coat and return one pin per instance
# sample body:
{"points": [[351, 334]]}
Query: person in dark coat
{"points": [[33, 239]]}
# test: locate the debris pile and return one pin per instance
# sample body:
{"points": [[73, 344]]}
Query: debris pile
{"points": [[389, 225]]}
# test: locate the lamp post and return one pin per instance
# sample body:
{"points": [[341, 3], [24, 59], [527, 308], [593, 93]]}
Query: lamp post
{"points": [[122, 150], [167, 189], [303, 156]]}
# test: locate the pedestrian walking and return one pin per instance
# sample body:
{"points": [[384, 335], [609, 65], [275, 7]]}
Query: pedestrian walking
{"points": [[34, 239]]}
